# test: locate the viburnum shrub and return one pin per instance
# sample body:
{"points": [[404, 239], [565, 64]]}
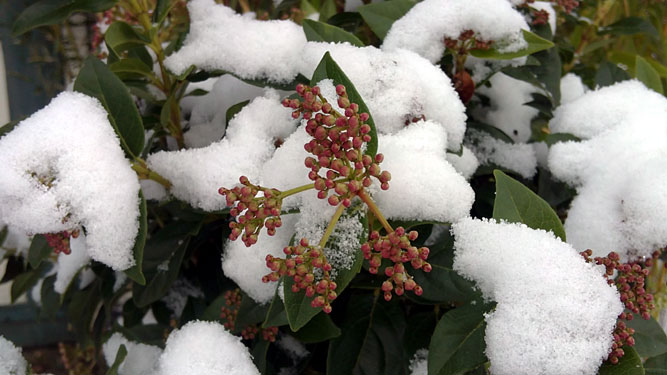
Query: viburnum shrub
{"points": [[342, 187]]}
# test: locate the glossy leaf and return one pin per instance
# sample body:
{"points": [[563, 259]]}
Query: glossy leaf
{"points": [[656, 365], [51, 12], [553, 138], [518, 204], [318, 329], [38, 251], [535, 44], [131, 66], [162, 8], [50, 299], [629, 364], [95, 79], [648, 75], [381, 15], [457, 344], [327, 9], [276, 316], [250, 312], [135, 272], [650, 338], [259, 352], [321, 32], [329, 69], [23, 282], [371, 339], [120, 357], [630, 26], [120, 37], [609, 73]]}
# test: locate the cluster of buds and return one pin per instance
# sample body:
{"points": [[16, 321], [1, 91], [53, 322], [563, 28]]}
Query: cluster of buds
{"points": [[568, 5], [60, 241], [337, 145], [252, 212], [465, 42], [301, 264], [230, 311], [630, 282], [396, 247]]}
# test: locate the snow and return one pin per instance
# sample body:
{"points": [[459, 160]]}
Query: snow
{"points": [[293, 347], [555, 313], [466, 163], [246, 265], [425, 26], [178, 294], [424, 186], [571, 88], [618, 169], [508, 111], [70, 264], [63, 168], [220, 39], [141, 359], [15, 240], [517, 157], [197, 174], [419, 363], [11, 359], [205, 348]]}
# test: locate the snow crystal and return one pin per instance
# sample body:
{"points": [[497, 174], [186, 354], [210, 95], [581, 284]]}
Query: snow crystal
{"points": [[424, 186], [247, 265], [605, 109], [63, 168], [70, 264], [11, 359], [220, 39], [517, 157], [419, 363], [197, 174], [205, 348], [618, 172], [571, 88], [178, 295], [141, 359], [508, 111], [397, 87], [466, 163], [555, 312], [425, 26]]}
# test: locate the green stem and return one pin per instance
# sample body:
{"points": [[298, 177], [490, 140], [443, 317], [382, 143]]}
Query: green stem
{"points": [[375, 210], [144, 173], [296, 190], [332, 225]]}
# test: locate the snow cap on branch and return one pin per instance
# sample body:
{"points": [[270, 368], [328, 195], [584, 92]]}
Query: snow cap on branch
{"points": [[555, 312], [62, 169], [141, 359]]}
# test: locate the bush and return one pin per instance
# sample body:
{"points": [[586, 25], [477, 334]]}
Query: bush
{"points": [[340, 187]]}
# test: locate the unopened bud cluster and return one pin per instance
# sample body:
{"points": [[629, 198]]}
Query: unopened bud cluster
{"points": [[337, 146], [300, 264], [230, 311], [59, 242], [465, 42], [252, 212], [636, 299], [396, 247]]}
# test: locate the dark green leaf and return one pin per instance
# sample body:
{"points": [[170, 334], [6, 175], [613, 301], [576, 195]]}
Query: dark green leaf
{"points": [[609, 73], [381, 15], [442, 284], [518, 204], [553, 138], [95, 79], [420, 326], [548, 73], [490, 130], [457, 344], [212, 312], [372, 339], [120, 37], [542, 104], [327, 9], [276, 316], [6, 128], [329, 69], [15, 266], [120, 357], [656, 365], [134, 67], [320, 328], [51, 12], [38, 251], [81, 310], [197, 92], [160, 283], [23, 282], [535, 44], [149, 334], [322, 32], [50, 300], [630, 26], [259, 352], [630, 364], [647, 74], [650, 338], [250, 312], [135, 272], [3, 236], [233, 110], [162, 8]]}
